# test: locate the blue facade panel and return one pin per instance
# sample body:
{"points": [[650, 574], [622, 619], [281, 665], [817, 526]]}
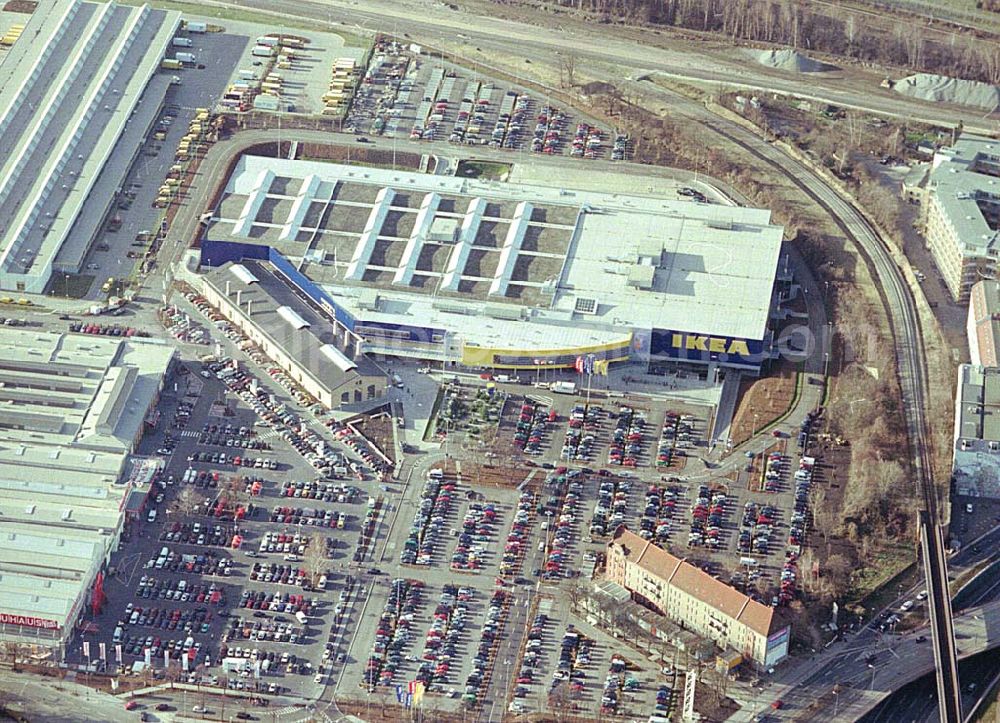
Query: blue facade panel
{"points": [[217, 253], [311, 289], [685, 346]]}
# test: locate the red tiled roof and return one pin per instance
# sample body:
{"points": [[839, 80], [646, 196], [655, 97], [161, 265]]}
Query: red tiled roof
{"points": [[697, 583]]}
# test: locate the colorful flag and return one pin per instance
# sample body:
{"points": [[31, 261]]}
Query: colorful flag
{"points": [[579, 365], [418, 693], [104, 650], [86, 649]]}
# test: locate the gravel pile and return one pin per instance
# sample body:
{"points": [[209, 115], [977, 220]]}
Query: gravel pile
{"points": [[792, 61], [942, 89]]}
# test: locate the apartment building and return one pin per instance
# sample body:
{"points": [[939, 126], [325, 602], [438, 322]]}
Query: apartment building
{"points": [[962, 218], [696, 601]]}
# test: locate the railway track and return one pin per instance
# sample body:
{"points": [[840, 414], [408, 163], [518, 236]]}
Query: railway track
{"points": [[912, 374]]}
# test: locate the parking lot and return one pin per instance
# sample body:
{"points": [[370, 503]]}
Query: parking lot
{"points": [[240, 561], [276, 556], [120, 245], [408, 95]]}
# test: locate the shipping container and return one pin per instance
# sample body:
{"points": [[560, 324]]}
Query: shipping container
{"points": [[248, 74], [262, 51], [267, 40]]}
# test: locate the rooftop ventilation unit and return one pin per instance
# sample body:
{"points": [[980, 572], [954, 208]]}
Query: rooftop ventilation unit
{"points": [[503, 311], [452, 307], [585, 305]]}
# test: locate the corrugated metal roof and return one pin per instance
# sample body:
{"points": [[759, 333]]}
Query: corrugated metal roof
{"points": [[292, 317], [243, 274], [337, 357]]}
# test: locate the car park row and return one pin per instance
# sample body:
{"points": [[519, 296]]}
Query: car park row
{"points": [[392, 632], [482, 664], [516, 544], [442, 639], [474, 537], [429, 519], [707, 516], [611, 506]]}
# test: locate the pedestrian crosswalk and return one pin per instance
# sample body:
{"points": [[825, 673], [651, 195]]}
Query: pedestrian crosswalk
{"points": [[190, 433]]}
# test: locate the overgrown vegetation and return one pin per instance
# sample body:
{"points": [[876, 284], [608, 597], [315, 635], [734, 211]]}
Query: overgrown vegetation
{"points": [[877, 510], [818, 27]]}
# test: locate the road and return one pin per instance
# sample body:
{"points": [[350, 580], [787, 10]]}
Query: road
{"points": [[704, 61]]}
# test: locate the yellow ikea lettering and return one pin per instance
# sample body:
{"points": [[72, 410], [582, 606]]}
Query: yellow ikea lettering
{"points": [[738, 346], [714, 344]]}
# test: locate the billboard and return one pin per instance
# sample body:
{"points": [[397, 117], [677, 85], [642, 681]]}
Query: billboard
{"points": [[689, 346], [28, 621]]}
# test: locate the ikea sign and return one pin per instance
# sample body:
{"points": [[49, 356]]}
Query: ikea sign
{"points": [[714, 344], [683, 345]]}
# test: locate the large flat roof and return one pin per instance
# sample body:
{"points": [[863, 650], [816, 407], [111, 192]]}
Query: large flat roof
{"points": [[984, 309], [71, 408], [67, 91], [965, 181], [592, 263]]}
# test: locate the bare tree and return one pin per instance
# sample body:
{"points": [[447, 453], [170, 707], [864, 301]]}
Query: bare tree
{"points": [[314, 559], [186, 502], [567, 70]]}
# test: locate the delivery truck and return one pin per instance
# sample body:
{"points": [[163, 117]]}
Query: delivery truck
{"points": [[181, 42], [185, 57]]}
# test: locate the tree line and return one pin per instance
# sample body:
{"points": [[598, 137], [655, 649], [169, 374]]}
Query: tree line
{"points": [[819, 28]]}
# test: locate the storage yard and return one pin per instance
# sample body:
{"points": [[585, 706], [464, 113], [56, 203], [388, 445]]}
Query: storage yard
{"points": [[406, 94]]}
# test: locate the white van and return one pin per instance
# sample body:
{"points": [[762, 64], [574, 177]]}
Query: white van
{"points": [[151, 517], [119, 631], [322, 582]]}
